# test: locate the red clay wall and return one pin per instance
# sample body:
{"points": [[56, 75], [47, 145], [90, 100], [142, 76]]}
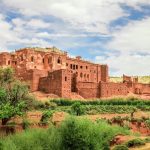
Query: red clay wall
{"points": [[140, 88], [58, 82], [108, 89], [88, 89]]}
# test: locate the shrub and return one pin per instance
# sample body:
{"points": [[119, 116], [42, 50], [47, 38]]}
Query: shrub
{"points": [[73, 134], [50, 105], [135, 142], [77, 108], [45, 117], [25, 124], [120, 147], [80, 134]]}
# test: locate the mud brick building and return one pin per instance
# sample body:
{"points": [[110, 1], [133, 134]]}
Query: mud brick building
{"points": [[51, 70]]}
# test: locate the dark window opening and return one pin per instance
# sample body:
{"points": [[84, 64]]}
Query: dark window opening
{"points": [[81, 75], [49, 60], [71, 66], [32, 59], [9, 62], [65, 78], [74, 67], [81, 67], [59, 61], [86, 67], [43, 60], [66, 64], [21, 58]]}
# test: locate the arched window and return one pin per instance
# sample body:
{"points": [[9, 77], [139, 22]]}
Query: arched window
{"points": [[59, 60]]}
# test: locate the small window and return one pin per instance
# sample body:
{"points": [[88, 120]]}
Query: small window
{"points": [[81, 75], [8, 62], [81, 67], [86, 67], [43, 60], [65, 78], [50, 60], [32, 59], [74, 67], [66, 64], [21, 58], [59, 60], [70, 66]]}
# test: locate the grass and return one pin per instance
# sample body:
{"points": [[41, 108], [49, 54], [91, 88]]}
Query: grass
{"points": [[73, 134]]}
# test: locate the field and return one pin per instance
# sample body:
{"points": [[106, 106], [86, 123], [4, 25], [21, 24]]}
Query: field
{"points": [[121, 120], [29, 122], [142, 79]]}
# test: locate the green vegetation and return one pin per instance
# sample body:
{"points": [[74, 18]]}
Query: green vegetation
{"points": [[102, 106], [135, 142], [46, 116], [77, 108], [13, 94], [120, 147], [72, 134]]}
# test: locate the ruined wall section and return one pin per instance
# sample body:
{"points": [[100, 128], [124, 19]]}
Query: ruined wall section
{"points": [[5, 59], [88, 89], [140, 88], [108, 89]]}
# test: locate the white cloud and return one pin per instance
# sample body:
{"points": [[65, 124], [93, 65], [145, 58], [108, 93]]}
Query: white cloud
{"points": [[78, 17], [21, 32], [89, 15], [127, 64], [135, 37]]}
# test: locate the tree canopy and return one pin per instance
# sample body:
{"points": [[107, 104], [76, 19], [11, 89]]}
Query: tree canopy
{"points": [[13, 94]]}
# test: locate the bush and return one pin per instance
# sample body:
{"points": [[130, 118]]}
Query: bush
{"points": [[25, 124], [77, 108], [45, 117], [73, 134], [50, 105], [120, 147], [135, 142]]}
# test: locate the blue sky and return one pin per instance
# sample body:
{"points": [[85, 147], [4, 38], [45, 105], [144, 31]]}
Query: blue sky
{"points": [[113, 32]]}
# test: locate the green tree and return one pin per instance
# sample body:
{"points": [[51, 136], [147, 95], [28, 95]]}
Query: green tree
{"points": [[13, 95], [77, 108]]}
